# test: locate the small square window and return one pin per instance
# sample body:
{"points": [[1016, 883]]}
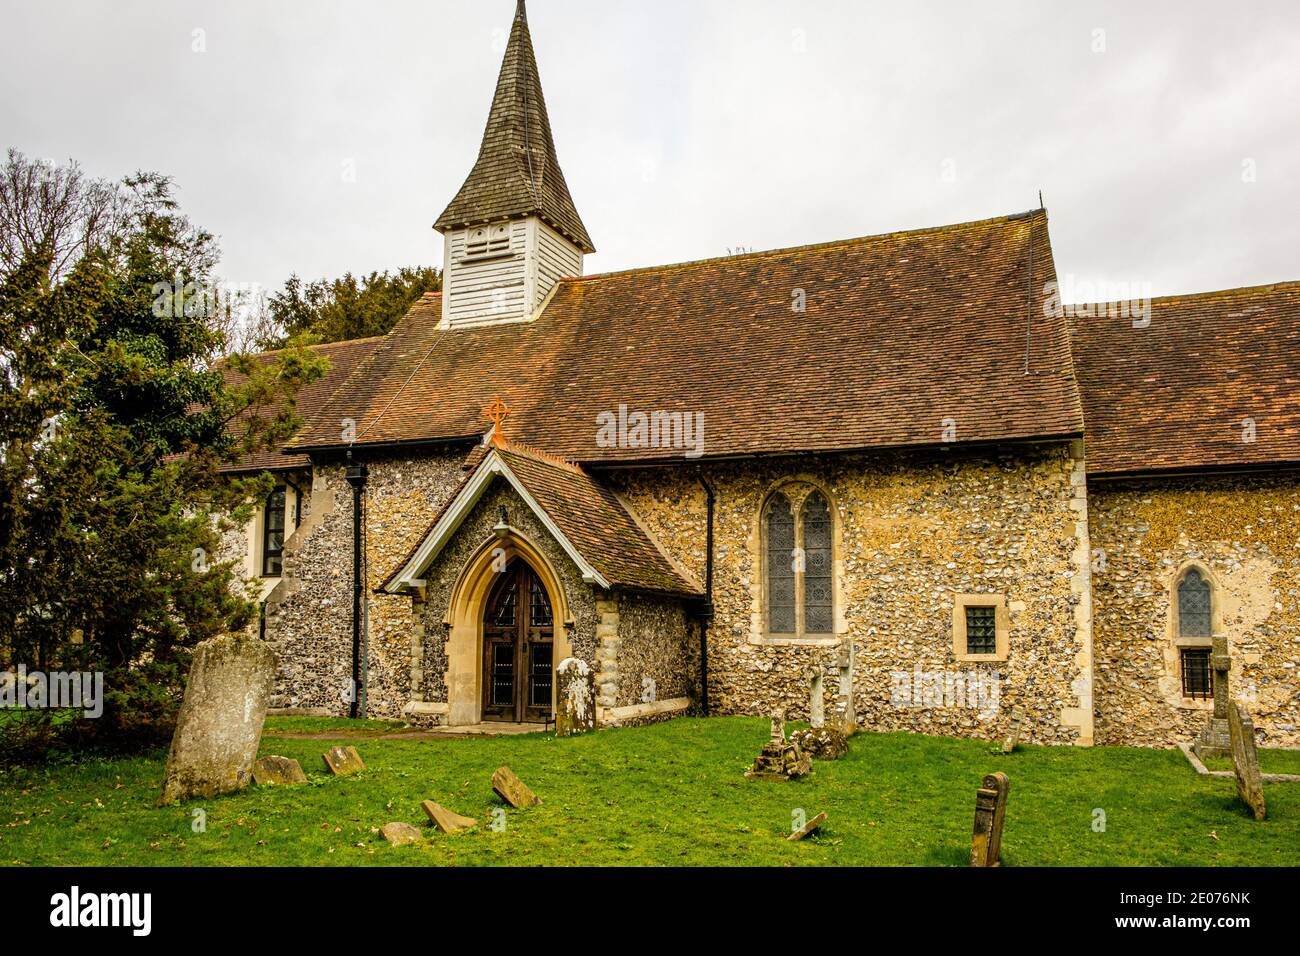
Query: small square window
{"points": [[981, 630]]}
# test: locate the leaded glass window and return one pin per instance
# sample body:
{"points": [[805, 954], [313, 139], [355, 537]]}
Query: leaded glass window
{"points": [[800, 582], [780, 566], [273, 535], [1193, 605], [505, 616], [817, 565]]}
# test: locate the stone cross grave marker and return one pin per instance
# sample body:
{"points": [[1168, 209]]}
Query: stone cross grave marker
{"points": [[1245, 760], [1216, 739], [342, 761], [990, 811], [576, 698], [220, 722], [513, 790], [846, 716], [1013, 734], [278, 771]]}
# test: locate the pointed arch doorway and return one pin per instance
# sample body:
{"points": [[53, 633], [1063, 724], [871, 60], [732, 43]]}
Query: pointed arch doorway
{"points": [[518, 668]]}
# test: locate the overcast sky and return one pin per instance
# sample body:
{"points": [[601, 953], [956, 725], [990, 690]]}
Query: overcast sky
{"points": [[1165, 136]]}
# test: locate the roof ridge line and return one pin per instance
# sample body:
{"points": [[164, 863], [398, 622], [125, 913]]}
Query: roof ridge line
{"points": [[531, 451], [829, 244], [1282, 286]]}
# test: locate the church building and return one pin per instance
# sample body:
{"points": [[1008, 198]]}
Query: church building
{"points": [[891, 479]]}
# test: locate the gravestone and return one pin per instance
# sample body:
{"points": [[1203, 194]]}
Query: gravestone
{"points": [[278, 771], [780, 759], [846, 717], [1013, 734], [400, 834], [990, 811], [220, 722], [445, 820], [821, 743], [1216, 738], [575, 698], [342, 761], [513, 790], [1245, 760], [808, 829], [816, 698]]}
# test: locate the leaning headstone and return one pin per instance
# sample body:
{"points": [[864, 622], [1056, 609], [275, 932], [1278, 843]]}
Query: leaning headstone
{"points": [[780, 759], [816, 698], [1216, 737], [445, 820], [990, 811], [220, 722], [342, 761], [808, 829], [400, 834], [513, 790], [278, 771], [1013, 734], [576, 698], [821, 743], [1245, 760]]}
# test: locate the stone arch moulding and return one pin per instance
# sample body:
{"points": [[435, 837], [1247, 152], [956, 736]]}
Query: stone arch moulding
{"points": [[796, 488], [1171, 685], [464, 620]]}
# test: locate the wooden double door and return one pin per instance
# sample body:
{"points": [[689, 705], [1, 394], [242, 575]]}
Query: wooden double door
{"points": [[518, 648]]}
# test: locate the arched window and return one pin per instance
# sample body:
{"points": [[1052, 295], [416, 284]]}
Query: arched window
{"points": [[1193, 605], [800, 584], [273, 534], [1194, 630]]}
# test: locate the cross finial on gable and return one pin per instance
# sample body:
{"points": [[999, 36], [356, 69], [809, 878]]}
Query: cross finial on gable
{"points": [[498, 412]]}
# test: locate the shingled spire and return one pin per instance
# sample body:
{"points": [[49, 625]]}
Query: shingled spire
{"points": [[517, 173]]}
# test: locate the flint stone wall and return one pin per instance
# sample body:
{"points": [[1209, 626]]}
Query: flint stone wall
{"points": [[1245, 530], [914, 529], [309, 615]]}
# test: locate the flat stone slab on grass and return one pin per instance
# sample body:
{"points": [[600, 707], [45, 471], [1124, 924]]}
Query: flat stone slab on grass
{"points": [[446, 820], [808, 829], [278, 771], [513, 790], [342, 761], [220, 722], [401, 834]]}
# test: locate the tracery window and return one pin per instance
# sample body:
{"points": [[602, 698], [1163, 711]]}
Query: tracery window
{"points": [[799, 573]]}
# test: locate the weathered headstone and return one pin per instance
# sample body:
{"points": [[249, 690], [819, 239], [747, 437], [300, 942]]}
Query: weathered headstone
{"points": [[821, 743], [1013, 733], [445, 820], [808, 829], [278, 771], [220, 722], [816, 698], [990, 811], [342, 761], [401, 834], [575, 698], [846, 716], [513, 790], [780, 759], [1216, 738], [1245, 760]]}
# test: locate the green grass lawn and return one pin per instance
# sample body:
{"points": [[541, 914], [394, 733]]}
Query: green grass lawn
{"points": [[1270, 761], [669, 794]]}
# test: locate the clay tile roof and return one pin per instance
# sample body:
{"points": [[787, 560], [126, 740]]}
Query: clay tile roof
{"points": [[900, 332], [1176, 394], [344, 358], [517, 172], [595, 521]]}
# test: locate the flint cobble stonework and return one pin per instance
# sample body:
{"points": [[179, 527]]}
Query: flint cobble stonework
{"points": [[309, 615], [912, 531], [1243, 530]]}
